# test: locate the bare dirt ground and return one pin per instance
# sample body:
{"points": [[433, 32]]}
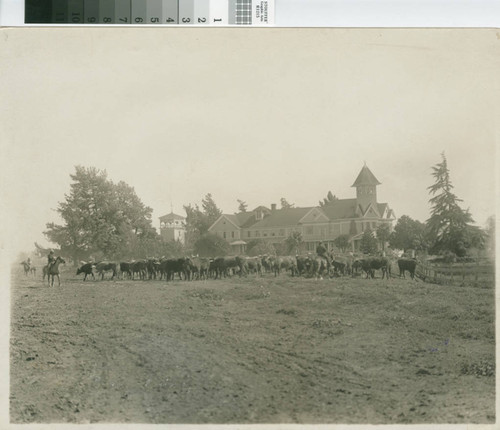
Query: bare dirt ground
{"points": [[251, 350]]}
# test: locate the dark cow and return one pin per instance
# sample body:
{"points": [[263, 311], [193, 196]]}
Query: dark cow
{"points": [[303, 265], [266, 262], [172, 266], [126, 269], [88, 269], [339, 267], [153, 267], [216, 268], [106, 266], [227, 266], [407, 264], [370, 264], [141, 268], [234, 264]]}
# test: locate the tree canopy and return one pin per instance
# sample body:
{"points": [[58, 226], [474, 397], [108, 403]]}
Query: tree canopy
{"points": [[368, 243], [260, 247], [294, 243], [211, 245], [490, 236], [383, 234], [198, 221], [408, 234], [449, 226], [285, 204], [100, 218], [342, 242], [242, 206], [330, 198]]}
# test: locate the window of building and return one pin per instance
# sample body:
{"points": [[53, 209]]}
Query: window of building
{"points": [[224, 235], [232, 234], [282, 231], [249, 233], [309, 229], [257, 233]]}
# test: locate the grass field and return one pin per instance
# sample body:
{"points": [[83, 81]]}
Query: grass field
{"points": [[252, 350]]}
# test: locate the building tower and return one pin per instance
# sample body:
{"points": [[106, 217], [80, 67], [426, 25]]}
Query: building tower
{"points": [[366, 188], [173, 227]]}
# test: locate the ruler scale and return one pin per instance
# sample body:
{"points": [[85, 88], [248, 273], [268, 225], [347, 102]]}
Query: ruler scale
{"points": [[170, 12], [91, 12], [59, 11], [122, 11], [201, 12], [186, 12], [106, 11], [154, 11], [150, 12], [75, 11]]}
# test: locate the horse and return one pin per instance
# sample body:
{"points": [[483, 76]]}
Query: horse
{"points": [[53, 271], [26, 267], [319, 266]]}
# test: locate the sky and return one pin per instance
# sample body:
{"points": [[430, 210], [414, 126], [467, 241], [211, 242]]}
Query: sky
{"points": [[246, 115]]}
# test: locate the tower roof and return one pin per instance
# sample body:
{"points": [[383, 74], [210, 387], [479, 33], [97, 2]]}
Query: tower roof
{"points": [[365, 177], [171, 217]]}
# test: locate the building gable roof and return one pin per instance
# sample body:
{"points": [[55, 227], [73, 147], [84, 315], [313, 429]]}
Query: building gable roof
{"points": [[282, 218], [315, 215], [339, 209], [239, 220], [171, 216], [365, 177], [372, 211]]}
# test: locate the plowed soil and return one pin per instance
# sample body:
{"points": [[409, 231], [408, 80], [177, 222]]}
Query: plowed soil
{"points": [[251, 350]]}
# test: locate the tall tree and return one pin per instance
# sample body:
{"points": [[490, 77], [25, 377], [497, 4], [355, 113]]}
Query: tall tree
{"points": [[408, 234], [449, 225], [194, 223], [210, 209], [199, 221], [294, 242], [342, 242], [490, 236], [260, 247], [98, 216], [383, 234], [330, 198], [242, 206], [285, 204], [211, 245], [368, 244]]}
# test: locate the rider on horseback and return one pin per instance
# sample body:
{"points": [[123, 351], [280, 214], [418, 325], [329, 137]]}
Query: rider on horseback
{"points": [[50, 259]]}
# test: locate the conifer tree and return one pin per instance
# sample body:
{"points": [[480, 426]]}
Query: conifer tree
{"points": [[449, 226], [368, 244]]}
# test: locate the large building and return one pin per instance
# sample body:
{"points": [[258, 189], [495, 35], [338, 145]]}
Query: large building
{"points": [[321, 223]]}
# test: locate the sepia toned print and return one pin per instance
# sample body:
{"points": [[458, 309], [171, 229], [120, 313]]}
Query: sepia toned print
{"points": [[288, 226]]}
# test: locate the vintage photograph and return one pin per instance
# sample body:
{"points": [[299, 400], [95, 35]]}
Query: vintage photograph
{"points": [[240, 226]]}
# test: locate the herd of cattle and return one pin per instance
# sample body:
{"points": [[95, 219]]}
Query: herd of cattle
{"points": [[191, 268]]}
